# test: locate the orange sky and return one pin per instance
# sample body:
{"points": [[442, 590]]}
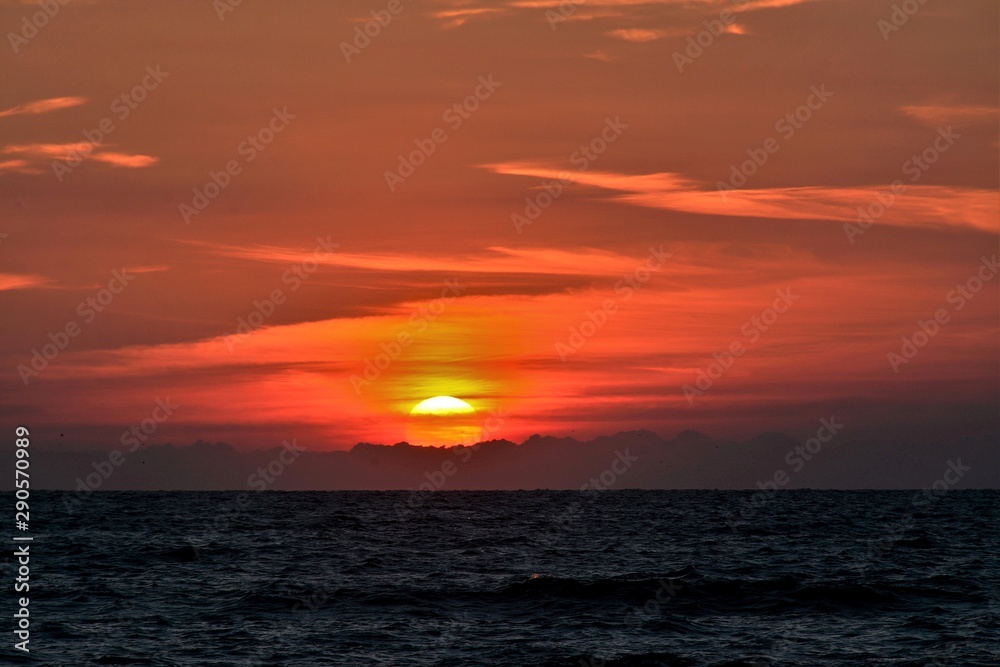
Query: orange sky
{"points": [[803, 110]]}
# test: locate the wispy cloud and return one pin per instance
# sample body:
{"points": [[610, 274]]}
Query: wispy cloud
{"points": [[459, 12], [935, 115], [708, 5], [603, 56], [639, 34], [768, 4], [918, 206], [126, 160], [12, 281], [48, 150], [544, 4], [454, 18], [71, 151], [496, 259], [17, 166], [44, 106]]}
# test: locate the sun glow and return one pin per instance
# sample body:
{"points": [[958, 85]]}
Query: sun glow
{"points": [[443, 421], [442, 405]]}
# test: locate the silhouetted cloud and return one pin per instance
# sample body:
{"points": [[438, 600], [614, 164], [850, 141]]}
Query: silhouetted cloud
{"points": [[639, 459]]}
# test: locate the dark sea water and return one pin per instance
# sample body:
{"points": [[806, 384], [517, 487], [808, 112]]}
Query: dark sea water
{"points": [[624, 578]]}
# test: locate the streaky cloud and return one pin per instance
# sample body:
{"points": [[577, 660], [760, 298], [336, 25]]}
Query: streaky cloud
{"points": [[43, 106], [931, 206]]}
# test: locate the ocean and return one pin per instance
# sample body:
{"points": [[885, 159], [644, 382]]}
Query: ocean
{"points": [[498, 579]]}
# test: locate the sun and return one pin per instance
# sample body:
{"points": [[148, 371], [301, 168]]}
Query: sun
{"points": [[442, 406], [443, 421]]}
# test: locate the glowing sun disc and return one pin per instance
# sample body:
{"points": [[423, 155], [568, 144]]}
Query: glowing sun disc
{"points": [[442, 405]]}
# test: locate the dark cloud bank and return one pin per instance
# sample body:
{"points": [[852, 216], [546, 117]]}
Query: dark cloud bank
{"points": [[635, 459]]}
